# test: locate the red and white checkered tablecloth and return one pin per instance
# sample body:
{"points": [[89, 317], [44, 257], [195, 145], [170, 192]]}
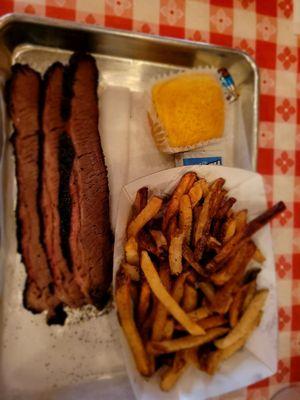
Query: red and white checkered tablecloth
{"points": [[264, 29]]}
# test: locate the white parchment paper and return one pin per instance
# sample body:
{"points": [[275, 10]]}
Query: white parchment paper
{"points": [[259, 358]]}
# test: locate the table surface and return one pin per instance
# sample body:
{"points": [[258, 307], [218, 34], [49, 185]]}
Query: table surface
{"points": [[264, 29]]}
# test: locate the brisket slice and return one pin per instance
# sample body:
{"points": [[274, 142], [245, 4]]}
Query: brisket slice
{"points": [[24, 100], [58, 156], [90, 236]]}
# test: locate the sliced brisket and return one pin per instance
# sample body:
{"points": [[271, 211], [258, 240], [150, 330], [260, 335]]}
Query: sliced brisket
{"points": [[24, 100], [58, 156], [90, 236]]}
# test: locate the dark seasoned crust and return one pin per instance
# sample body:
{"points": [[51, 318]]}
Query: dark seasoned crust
{"points": [[57, 160], [24, 105], [90, 237], [66, 156]]}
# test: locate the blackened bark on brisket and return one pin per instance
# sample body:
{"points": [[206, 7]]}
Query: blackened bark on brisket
{"points": [[90, 236], [24, 105], [66, 158], [58, 156]]}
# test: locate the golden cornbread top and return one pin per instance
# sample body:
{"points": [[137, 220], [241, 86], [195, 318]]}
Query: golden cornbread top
{"points": [[190, 108]]}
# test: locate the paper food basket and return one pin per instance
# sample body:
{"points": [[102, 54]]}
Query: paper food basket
{"points": [[258, 359]]}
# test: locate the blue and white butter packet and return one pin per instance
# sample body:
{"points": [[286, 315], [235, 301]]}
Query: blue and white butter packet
{"points": [[202, 161], [208, 155]]}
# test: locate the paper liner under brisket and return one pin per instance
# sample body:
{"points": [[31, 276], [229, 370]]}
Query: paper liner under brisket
{"points": [[90, 236], [58, 156], [24, 101]]}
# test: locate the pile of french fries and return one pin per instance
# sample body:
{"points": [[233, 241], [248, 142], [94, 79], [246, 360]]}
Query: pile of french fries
{"points": [[183, 293]]}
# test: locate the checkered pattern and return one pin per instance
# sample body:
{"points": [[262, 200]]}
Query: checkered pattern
{"points": [[263, 28]]}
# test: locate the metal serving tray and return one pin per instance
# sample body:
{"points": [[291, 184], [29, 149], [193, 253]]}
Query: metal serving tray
{"points": [[41, 362]]}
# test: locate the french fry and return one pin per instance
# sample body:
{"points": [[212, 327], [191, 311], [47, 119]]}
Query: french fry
{"points": [[152, 364], [188, 255], [134, 294], [219, 198], [151, 210], [259, 257], [144, 302], [212, 322], [230, 350], [240, 259], [185, 217], [175, 253], [164, 297], [236, 346], [237, 305], [183, 187], [216, 357], [241, 220], [186, 342], [208, 290], [224, 297], [228, 250], [171, 375], [208, 323], [140, 201], [229, 229], [172, 228], [132, 270], [160, 240], [196, 214], [225, 207], [213, 361], [218, 220], [146, 327], [161, 314], [190, 298], [253, 226], [196, 193], [249, 295], [213, 243], [124, 308], [251, 274], [203, 355], [200, 246], [168, 329], [203, 222], [192, 277], [147, 334], [230, 214], [199, 313], [178, 287], [131, 251], [214, 184], [205, 186], [146, 242], [191, 356], [165, 360], [245, 323], [264, 218]]}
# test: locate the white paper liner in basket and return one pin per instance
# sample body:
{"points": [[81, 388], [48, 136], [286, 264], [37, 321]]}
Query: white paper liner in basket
{"points": [[258, 359], [157, 129]]}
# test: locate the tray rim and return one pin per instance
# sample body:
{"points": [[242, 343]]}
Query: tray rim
{"points": [[7, 19]]}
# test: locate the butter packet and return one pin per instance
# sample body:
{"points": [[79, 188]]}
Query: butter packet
{"points": [[198, 158], [207, 155]]}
